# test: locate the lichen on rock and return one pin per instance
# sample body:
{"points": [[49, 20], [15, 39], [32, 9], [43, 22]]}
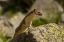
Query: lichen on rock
{"points": [[44, 33]]}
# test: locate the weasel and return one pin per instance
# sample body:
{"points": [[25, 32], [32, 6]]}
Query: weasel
{"points": [[26, 21]]}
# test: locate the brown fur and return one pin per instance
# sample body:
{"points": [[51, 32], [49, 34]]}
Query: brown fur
{"points": [[26, 22]]}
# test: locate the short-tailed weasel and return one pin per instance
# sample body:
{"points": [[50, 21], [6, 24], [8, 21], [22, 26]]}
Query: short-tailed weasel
{"points": [[26, 21]]}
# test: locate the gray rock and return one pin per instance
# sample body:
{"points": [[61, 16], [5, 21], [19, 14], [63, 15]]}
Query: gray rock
{"points": [[5, 27], [10, 23], [44, 33], [47, 6]]}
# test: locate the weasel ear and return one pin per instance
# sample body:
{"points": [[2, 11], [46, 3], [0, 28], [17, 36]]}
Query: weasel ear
{"points": [[35, 10]]}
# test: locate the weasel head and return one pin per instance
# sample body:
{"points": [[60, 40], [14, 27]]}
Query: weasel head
{"points": [[36, 12]]}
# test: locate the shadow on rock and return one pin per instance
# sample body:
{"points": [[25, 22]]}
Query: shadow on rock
{"points": [[24, 37]]}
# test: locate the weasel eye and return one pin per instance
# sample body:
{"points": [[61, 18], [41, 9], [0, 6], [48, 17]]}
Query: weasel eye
{"points": [[39, 13]]}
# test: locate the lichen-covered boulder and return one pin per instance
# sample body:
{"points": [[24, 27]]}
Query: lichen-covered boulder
{"points": [[44, 33]]}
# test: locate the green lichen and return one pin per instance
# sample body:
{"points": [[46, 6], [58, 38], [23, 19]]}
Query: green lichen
{"points": [[54, 33]]}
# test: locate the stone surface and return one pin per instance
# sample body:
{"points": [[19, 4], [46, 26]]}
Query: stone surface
{"points": [[46, 6], [44, 33], [8, 23], [5, 27]]}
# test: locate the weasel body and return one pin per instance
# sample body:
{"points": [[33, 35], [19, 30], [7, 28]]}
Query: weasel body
{"points": [[26, 22]]}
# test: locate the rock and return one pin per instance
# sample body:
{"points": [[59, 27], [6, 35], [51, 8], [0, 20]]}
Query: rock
{"points": [[1, 8], [44, 33], [5, 27], [14, 18], [46, 6], [62, 17], [3, 0], [9, 23]]}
